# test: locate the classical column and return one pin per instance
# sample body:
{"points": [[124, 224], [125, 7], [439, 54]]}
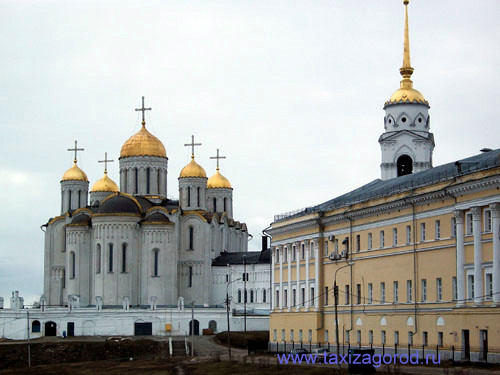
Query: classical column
{"points": [[459, 223], [289, 293], [495, 223], [297, 262], [273, 264], [308, 295], [280, 254], [316, 283], [478, 255]]}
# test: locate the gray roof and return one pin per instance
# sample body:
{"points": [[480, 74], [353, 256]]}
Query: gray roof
{"points": [[383, 188], [251, 257]]}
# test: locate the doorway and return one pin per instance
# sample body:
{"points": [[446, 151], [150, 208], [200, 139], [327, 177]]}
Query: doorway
{"points": [[465, 345], [196, 327], [71, 329], [50, 329], [483, 344]]}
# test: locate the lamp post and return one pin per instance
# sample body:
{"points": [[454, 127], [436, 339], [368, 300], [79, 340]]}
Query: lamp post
{"points": [[228, 325], [336, 296]]}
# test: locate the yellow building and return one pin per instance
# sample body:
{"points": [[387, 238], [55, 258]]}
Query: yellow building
{"points": [[415, 254]]}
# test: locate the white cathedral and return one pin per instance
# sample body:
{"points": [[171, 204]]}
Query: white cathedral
{"points": [[131, 248]]}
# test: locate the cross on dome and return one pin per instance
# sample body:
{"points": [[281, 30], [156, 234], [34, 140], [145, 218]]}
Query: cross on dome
{"points": [[218, 157], [192, 144], [105, 161], [76, 149], [143, 110]]}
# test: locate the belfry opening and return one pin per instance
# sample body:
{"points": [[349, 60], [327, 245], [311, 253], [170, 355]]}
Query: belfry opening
{"points": [[404, 165]]}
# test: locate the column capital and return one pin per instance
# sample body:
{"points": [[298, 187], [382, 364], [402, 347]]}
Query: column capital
{"points": [[459, 216], [476, 213], [495, 209]]}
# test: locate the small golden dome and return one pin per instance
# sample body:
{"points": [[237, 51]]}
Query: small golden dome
{"points": [[407, 95], [218, 181], [74, 173], [193, 169], [105, 184], [143, 143]]}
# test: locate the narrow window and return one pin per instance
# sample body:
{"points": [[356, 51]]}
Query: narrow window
{"points": [[409, 296], [382, 292], [370, 293], [215, 204], [370, 241], [487, 220], [489, 285], [312, 295], [225, 204], [383, 338], [282, 335], [294, 298], [310, 335], [239, 296], [410, 338], [303, 251], [158, 180], [440, 339], [336, 245], [264, 296], [370, 336], [325, 249], [396, 337], [358, 294], [110, 258], [424, 338], [251, 296], [468, 221], [424, 290], [136, 179], [190, 281], [274, 335], [291, 334], [470, 279], [358, 242], [198, 197], [79, 199], [347, 294], [73, 265], [326, 336], [124, 257], [294, 255], [382, 239], [422, 232], [453, 227], [189, 196], [358, 336], [454, 288], [148, 184], [69, 200], [439, 289], [326, 296], [347, 337], [396, 291], [277, 298], [394, 237], [438, 229], [408, 234], [156, 259], [285, 297], [191, 238], [98, 259], [303, 290]]}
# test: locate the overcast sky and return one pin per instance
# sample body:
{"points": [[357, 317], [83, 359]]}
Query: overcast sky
{"points": [[290, 91]]}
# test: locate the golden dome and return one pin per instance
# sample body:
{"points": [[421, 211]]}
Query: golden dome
{"points": [[105, 184], [143, 143], [409, 94], [193, 169], [218, 181], [74, 173]]}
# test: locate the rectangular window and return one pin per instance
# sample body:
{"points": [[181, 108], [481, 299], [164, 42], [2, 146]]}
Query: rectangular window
{"points": [[394, 236], [300, 335], [291, 334], [470, 288], [422, 232], [156, 256], [285, 255], [347, 337], [409, 296], [370, 336], [311, 297], [277, 256], [410, 338], [303, 252], [347, 294], [370, 241], [294, 297], [468, 223], [383, 338], [424, 290], [326, 296], [336, 242], [489, 285], [110, 258], [191, 238], [303, 292], [124, 258], [408, 234], [227, 278], [358, 294], [440, 339], [325, 249], [190, 281], [425, 338], [437, 225], [311, 250], [358, 336], [454, 288], [285, 298], [382, 239], [294, 253], [274, 335], [277, 302], [370, 293], [395, 296], [396, 337], [487, 220], [282, 335], [453, 228], [439, 289], [382, 292], [326, 336], [358, 242], [310, 335]]}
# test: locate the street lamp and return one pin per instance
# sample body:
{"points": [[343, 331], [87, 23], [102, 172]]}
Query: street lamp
{"points": [[228, 326], [336, 296]]}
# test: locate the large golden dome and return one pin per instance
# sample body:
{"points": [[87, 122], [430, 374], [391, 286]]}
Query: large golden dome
{"points": [[143, 143], [193, 169], [105, 184], [407, 94], [74, 173], [218, 181]]}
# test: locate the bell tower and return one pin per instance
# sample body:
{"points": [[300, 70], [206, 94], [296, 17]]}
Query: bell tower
{"points": [[406, 144]]}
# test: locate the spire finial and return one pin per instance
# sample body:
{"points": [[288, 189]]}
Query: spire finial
{"points": [[406, 70]]}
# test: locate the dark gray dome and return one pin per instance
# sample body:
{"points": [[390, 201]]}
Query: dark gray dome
{"points": [[119, 204], [156, 217], [82, 219]]}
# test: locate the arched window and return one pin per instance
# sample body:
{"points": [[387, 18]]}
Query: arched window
{"points": [[158, 180], [110, 257], [156, 261], [239, 296], [136, 181], [189, 196], [264, 296], [191, 238], [124, 257], [215, 204], [72, 265], [98, 259], [69, 200], [79, 199], [251, 296], [190, 281], [404, 165], [225, 204], [246, 296], [35, 326], [198, 197], [148, 180]]}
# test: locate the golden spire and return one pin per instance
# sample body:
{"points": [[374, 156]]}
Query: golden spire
{"points": [[406, 70]]}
